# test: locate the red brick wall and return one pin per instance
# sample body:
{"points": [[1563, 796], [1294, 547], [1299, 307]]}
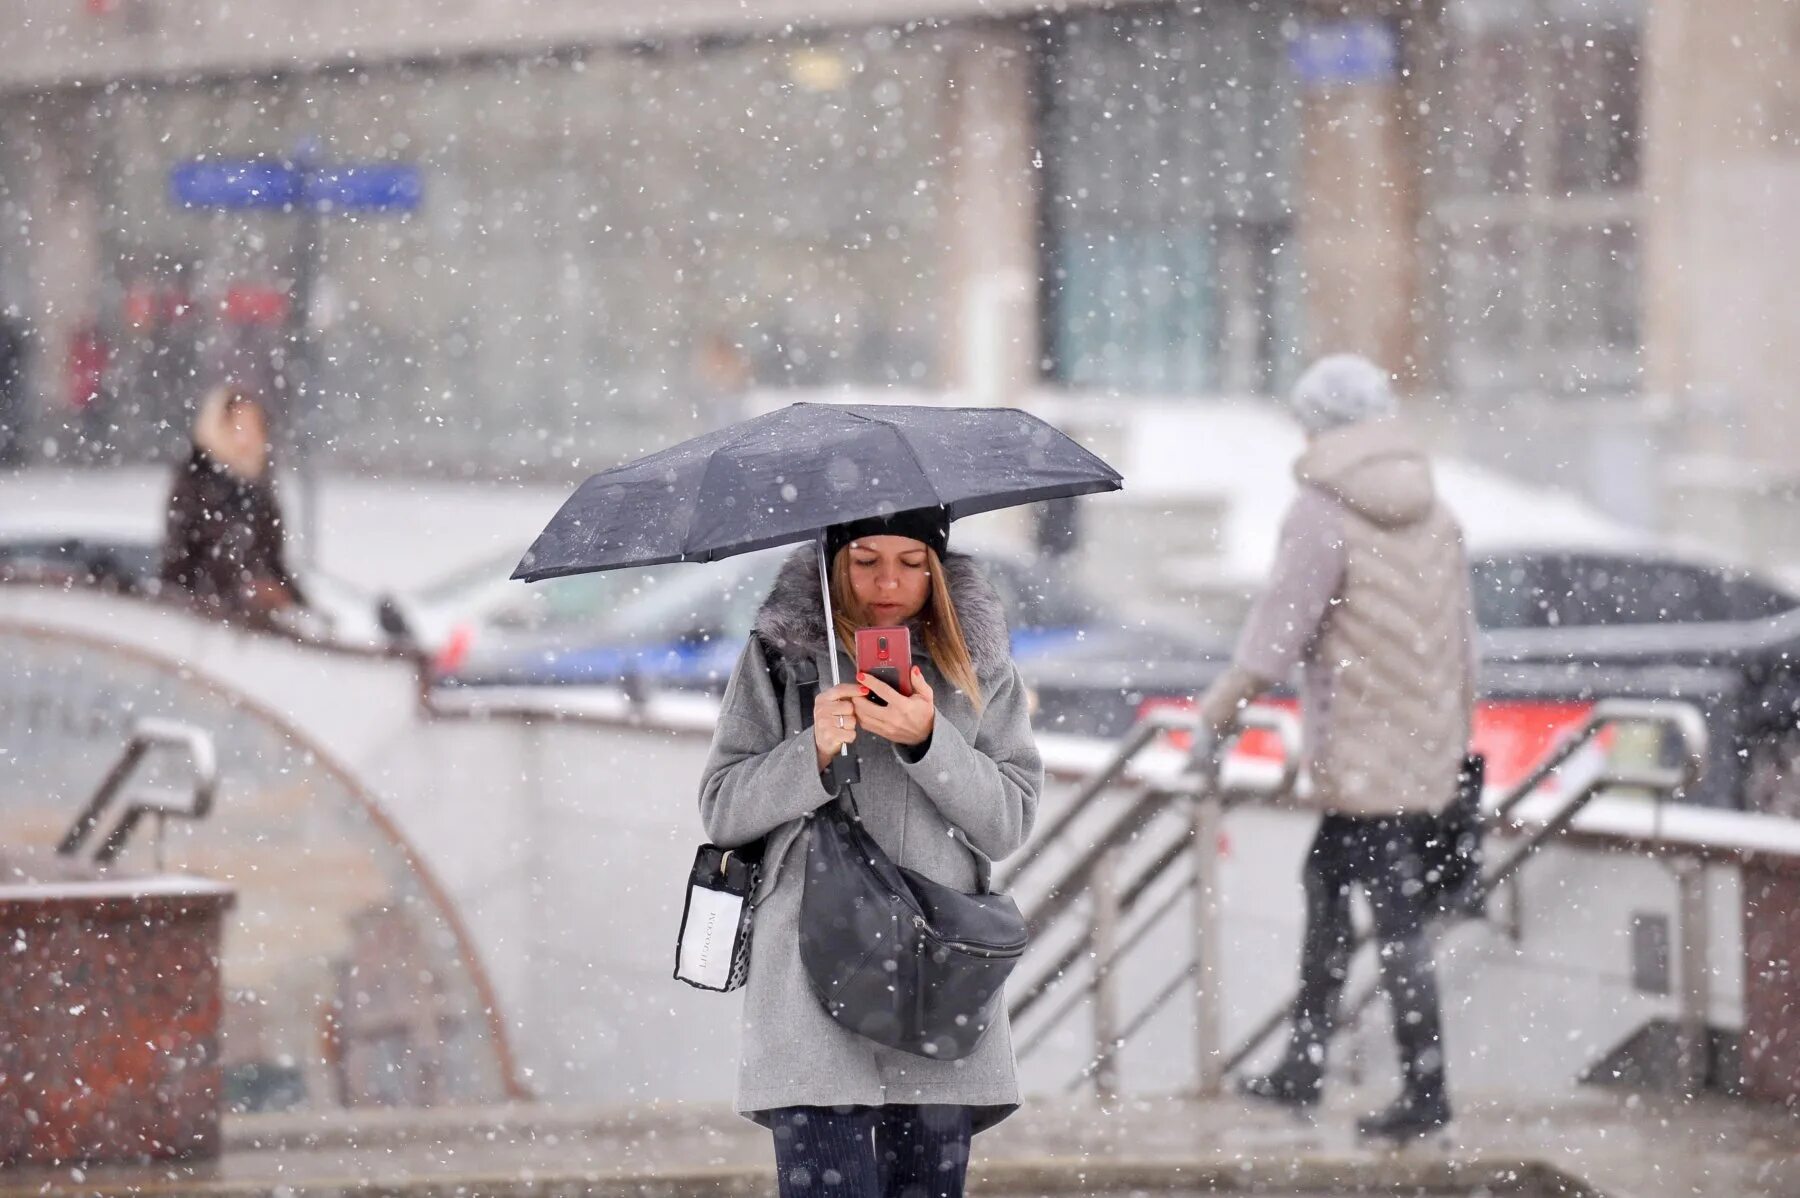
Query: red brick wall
{"points": [[109, 1026]]}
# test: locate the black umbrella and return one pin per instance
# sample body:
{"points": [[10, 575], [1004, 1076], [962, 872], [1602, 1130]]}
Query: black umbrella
{"points": [[785, 477]]}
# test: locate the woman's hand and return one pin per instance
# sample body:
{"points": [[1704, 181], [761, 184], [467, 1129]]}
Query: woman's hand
{"points": [[905, 720], [834, 720]]}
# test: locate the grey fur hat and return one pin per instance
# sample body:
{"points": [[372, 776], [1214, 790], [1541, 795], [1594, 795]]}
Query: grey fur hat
{"points": [[1342, 389]]}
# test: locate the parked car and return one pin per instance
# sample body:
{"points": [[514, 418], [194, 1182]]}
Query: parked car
{"points": [[1590, 625], [126, 565], [1525, 590], [1561, 629]]}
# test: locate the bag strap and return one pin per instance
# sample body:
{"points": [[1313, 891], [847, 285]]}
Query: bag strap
{"points": [[804, 675], [984, 869], [784, 672]]}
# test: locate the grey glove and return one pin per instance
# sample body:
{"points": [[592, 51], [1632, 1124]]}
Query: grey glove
{"points": [[1201, 754]]}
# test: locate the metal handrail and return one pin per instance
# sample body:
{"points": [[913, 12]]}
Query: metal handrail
{"points": [[1077, 995], [194, 804], [1129, 894], [1142, 734], [1665, 783], [1197, 783], [1683, 719]]}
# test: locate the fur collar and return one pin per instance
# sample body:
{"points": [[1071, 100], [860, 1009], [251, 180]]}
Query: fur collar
{"points": [[791, 620]]}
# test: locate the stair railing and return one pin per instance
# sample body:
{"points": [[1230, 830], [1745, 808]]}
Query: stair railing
{"points": [[160, 802], [1663, 784], [1114, 890]]}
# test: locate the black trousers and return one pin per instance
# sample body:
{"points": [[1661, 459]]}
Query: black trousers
{"points": [[1383, 856], [872, 1152]]}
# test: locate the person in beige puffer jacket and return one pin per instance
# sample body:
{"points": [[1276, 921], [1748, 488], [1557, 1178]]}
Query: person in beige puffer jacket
{"points": [[1370, 599]]}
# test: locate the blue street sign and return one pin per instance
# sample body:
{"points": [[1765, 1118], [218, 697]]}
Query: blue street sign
{"points": [[383, 188], [1354, 51], [255, 183], [252, 184]]}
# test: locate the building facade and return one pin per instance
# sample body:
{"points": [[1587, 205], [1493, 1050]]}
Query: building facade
{"points": [[1562, 222]]}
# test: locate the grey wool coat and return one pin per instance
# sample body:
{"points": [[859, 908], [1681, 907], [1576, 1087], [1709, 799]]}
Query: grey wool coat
{"points": [[973, 790]]}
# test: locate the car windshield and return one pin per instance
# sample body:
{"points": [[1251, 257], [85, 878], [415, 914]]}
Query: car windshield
{"points": [[693, 600], [1561, 590]]}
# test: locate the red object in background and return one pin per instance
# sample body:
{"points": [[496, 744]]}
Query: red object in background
{"points": [[1771, 940], [455, 651], [1514, 734], [149, 305], [114, 996], [255, 304], [86, 366]]}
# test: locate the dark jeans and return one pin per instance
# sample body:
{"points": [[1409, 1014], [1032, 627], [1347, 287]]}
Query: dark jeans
{"points": [[871, 1152], [1383, 855]]}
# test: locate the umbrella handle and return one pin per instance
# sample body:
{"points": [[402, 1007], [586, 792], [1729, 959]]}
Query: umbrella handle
{"points": [[830, 622], [845, 769]]}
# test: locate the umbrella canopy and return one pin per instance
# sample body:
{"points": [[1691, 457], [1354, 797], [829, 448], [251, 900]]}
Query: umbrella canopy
{"points": [[786, 476]]}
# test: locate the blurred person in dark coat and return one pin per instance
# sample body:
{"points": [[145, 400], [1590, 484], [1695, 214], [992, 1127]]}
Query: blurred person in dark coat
{"points": [[225, 540]]}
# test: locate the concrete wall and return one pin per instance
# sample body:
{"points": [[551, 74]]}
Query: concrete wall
{"points": [[1722, 182], [990, 230], [1359, 183], [564, 847], [1722, 119]]}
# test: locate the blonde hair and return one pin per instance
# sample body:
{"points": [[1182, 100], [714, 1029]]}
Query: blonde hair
{"points": [[942, 630], [214, 431]]}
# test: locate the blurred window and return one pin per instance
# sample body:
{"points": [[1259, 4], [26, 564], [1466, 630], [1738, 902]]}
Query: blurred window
{"points": [[1167, 138], [1507, 593], [1607, 591], [1747, 599], [1534, 196], [614, 243]]}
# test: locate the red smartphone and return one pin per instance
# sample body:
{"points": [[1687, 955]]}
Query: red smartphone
{"points": [[887, 654]]}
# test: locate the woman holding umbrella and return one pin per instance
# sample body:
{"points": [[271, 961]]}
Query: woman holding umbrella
{"points": [[950, 772]]}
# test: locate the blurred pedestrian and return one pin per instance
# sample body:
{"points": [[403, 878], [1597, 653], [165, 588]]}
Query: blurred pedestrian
{"points": [[87, 410], [948, 772], [225, 541], [1370, 598], [720, 380], [12, 392]]}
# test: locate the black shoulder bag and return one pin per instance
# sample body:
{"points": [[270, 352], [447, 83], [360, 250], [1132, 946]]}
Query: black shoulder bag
{"points": [[1452, 849], [894, 956]]}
